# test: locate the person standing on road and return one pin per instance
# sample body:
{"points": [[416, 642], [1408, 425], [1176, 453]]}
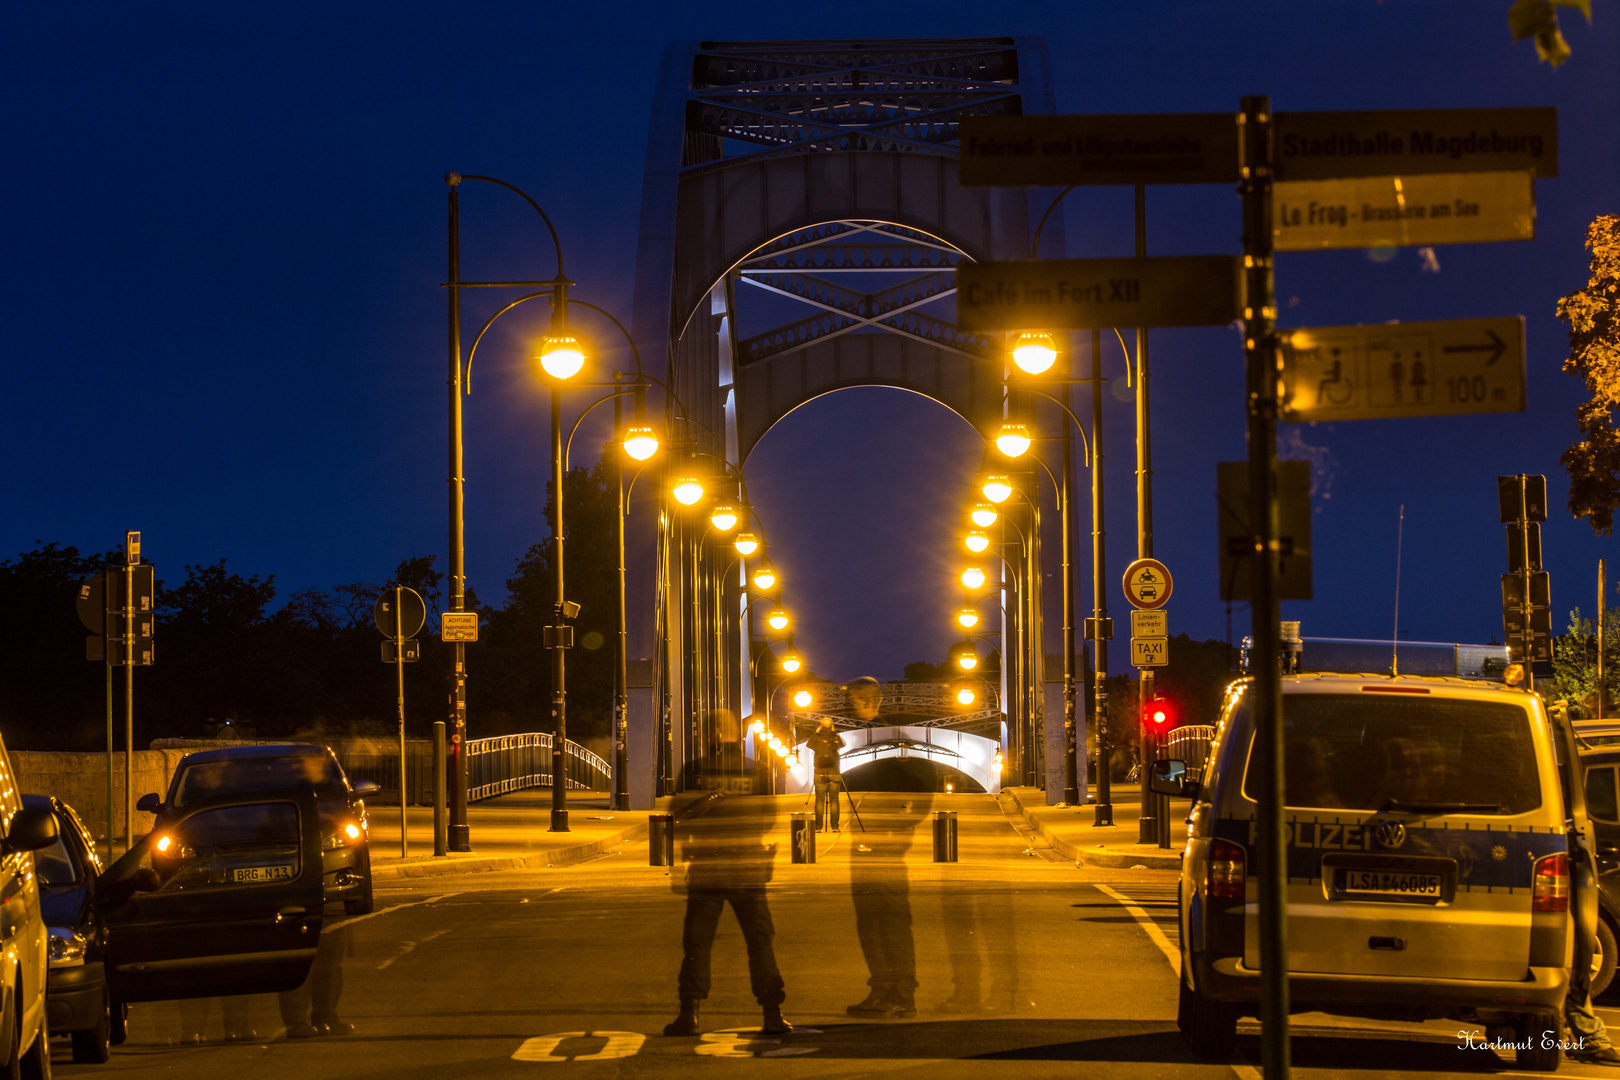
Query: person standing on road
{"points": [[829, 777], [723, 816]]}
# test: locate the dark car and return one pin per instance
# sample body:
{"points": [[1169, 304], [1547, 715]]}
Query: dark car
{"points": [[1603, 806], [285, 768], [77, 1001]]}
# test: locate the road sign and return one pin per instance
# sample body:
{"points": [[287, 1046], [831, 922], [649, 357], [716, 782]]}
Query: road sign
{"points": [[1099, 629], [132, 548], [1178, 148], [1150, 623], [1150, 652], [412, 613], [1092, 294], [1403, 211], [1293, 530], [1147, 583], [458, 626], [1407, 142], [412, 648], [92, 603], [1520, 536], [1403, 369], [1521, 497]]}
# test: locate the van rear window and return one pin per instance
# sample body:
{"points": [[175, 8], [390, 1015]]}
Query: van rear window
{"points": [[1366, 751]]}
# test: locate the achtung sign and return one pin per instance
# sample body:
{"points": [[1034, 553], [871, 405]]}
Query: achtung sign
{"points": [[458, 626], [1094, 294], [1178, 148], [1454, 208], [1403, 369], [1408, 142]]}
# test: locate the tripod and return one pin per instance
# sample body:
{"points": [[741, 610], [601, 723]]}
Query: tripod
{"points": [[833, 782]]}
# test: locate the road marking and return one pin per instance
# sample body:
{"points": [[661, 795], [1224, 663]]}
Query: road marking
{"points": [[1157, 936], [409, 945], [620, 1044], [1246, 1072], [329, 927]]}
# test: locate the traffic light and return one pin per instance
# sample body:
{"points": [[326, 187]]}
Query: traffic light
{"points": [[1158, 714]]}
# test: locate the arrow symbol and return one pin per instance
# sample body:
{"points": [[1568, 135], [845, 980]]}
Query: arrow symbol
{"points": [[1496, 348]]}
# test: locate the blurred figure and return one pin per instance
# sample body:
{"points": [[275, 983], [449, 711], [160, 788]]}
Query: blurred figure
{"points": [[722, 819], [829, 777], [312, 1008]]}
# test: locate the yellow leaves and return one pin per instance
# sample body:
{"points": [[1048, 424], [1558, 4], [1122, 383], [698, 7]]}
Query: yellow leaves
{"points": [[1593, 315], [1539, 19]]}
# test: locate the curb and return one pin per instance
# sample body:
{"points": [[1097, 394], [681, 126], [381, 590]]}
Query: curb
{"points": [[439, 867], [1090, 856]]}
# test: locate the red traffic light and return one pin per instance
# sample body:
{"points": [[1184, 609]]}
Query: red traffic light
{"points": [[1158, 713], [1159, 716]]}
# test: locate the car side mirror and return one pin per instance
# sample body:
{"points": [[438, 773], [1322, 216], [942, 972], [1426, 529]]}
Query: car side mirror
{"points": [[1170, 777], [149, 803], [115, 892], [366, 788], [30, 830]]}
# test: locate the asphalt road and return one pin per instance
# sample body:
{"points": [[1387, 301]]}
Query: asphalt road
{"points": [[1027, 966]]}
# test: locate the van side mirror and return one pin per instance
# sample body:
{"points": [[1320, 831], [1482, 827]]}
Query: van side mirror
{"points": [[150, 803], [1170, 777], [365, 789], [30, 830], [114, 892]]}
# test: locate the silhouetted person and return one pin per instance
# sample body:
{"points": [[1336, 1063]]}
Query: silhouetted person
{"points": [[829, 777], [723, 817], [312, 1008]]}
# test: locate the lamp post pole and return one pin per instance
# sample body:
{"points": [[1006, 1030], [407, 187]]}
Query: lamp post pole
{"points": [[1099, 601], [1071, 777], [621, 702], [1148, 822], [561, 632], [459, 838]]}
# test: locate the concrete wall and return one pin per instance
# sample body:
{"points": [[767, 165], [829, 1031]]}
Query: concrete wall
{"points": [[80, 780]]}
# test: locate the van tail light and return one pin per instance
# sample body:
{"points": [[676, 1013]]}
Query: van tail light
{"points": [[1226, 871], [1549, 890]]}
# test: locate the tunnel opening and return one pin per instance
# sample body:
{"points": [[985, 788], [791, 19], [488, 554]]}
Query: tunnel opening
{"points": [[910, 774]]}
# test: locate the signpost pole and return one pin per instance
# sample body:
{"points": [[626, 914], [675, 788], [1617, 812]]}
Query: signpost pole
{"points": [[1071, 766], [1600, 611], [1525, 574], [110, 743], [1099, 602], [459, 839], [1148, 817], [1260, 361], [399, 668], [441, 845], [131, 556]]}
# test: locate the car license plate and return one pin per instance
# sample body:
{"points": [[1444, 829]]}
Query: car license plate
{"points": [[251, 874], [1388, 883]]}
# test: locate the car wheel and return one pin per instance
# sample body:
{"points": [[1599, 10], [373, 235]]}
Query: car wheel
{"points": [[1537, 1031], [36, 1063], [93, 1047], [1210, 1027], [1603, 958], [118, 1023], [13, 1070], [362, 904]]}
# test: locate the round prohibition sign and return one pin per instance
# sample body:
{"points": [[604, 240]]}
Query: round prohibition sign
{"points": [[1148, 584]]}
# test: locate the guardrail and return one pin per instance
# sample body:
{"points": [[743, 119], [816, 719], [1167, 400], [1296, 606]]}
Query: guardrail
{"points": [[1190, 743], [495, 766]]}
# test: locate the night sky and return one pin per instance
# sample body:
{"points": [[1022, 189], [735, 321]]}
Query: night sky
{"points": [[226, 231]]}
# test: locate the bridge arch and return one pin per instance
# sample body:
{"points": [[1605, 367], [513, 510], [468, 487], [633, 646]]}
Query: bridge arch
{"points": [[972, 755]]}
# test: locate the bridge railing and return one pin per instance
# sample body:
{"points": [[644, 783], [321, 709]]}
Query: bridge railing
{"points": [[495, 766], [1190, 743]]}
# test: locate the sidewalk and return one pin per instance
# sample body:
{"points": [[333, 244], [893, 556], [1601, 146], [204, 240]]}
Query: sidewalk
{"points": [[1070, 831], [510, 832]]}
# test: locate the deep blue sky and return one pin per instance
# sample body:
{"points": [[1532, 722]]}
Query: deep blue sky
{"points": [[226, 231]]}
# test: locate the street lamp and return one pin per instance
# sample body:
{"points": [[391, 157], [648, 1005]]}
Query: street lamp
{"points": [[687, 491], [791, 662], [1035, 353], [777, 620], [764, 577], [562, 359], [561, 356], [967, 618], [724, 517], [964, 656], [640, 442], [803, 698], [1013, 439], [998, 489], [976, 542], [984, 515], [973, 578], [746, 543]]}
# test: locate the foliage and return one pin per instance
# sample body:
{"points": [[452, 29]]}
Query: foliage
{"points": [[1539, 19], [1575, 664], [1593, 315]]}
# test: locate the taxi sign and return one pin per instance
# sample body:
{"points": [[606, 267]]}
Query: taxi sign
{"points": [[1147, 584], [1403, 211], [1150, 652], [458, 626]]}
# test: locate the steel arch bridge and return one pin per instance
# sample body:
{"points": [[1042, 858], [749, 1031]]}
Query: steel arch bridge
{"points": [[819, 174]]}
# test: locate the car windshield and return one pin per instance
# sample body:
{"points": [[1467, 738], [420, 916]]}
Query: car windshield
{"points": [[55, 865], [246, 776], [1375, 751]]}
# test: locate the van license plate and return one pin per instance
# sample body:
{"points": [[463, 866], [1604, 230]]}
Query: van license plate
{"points": [[1386, 883], [252, 874]]}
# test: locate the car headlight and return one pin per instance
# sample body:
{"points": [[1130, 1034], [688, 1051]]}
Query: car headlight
{"points": [[347, 834], [64, 947]]}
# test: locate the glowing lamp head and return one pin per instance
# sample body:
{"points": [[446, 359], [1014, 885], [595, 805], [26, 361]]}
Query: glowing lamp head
{"points": [[778, 620], [998, 489], [352, 831], [966, 696], [640, 442], [757, 728], [1160, 716], [1013, 439], [781, 751], [791, 663], [973, 578], [165, 843], [746, 543], [967, 618], [1035, 353], [687, 490], [803, 698], [765, 577], [976, 541], [724, 517], [561, 357], [967, 661], [984, 515]]}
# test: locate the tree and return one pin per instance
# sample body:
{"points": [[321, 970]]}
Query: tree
{"points": [[1575, 664], [1539, 19], [1593, 315]]}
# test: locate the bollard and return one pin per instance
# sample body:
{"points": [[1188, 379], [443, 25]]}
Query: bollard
{"points": [[802, 837], [660, 839], [441, 828], [944, 835]]}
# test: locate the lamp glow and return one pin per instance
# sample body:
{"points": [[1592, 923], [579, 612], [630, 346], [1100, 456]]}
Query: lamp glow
{"points": [[765, 577], [781, 751], [965, 696], [757, 728], [998, 489], [777, 620], [746, 543], [973, 578], [976, 541], [1035, 353], [640, 442], [1013, 439], [687, 490], [561, 357], [967, 661], [967, 618], [724, 517], [803, 698], [791, 663], [984, 515]]}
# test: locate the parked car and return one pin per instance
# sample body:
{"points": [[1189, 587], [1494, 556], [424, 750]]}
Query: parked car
{"points": [[24, 1022], [274, 768], [79, 1003], [1428, 864], [1603, 807]]}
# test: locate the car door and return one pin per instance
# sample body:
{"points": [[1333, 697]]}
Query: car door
{"points": [[224, 899]]}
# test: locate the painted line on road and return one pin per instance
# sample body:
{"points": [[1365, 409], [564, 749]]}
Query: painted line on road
{"points": [[329, 927], [1248, 1072], [1157, 936], [409, 945]]}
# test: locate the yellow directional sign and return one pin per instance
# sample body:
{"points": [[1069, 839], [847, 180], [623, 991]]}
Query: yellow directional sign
{"points": [[1406, 142], [1178, 148], [1403, 369], [1094, 294], [1454, 208], [1147, 584]]}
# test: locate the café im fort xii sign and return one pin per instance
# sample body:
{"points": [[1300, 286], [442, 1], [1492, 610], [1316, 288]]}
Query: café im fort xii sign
{"points": [[1091, 294]]}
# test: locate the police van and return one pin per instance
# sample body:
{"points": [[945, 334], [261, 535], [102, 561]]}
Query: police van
{"points": [[1427, 855]]}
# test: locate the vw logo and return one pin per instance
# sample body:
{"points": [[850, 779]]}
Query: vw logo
{"points": [[1390, 834]]}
